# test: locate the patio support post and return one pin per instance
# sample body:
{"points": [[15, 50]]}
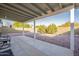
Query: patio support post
{"points": [[5, 17], [34, 30], [23, 29], [72, 29]]}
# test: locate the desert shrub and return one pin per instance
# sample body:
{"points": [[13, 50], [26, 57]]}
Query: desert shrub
{"points": [[41, 29], [51, 29], [67, 24]]}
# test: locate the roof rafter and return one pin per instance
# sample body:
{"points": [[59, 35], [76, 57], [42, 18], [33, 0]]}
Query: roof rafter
{"points": [[6, 7], [50, 7], [21, 8], [15, 13], [60, 5], [14, 7], [9, 14], [31, 10], [12, 16], [39, 8]]}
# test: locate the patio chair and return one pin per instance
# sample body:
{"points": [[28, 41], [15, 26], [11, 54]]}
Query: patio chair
{"points": [[4, 38]]}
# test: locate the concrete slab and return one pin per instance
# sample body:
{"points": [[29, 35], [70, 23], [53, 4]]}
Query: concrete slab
{"points": [[26, 46], [20, 48]]}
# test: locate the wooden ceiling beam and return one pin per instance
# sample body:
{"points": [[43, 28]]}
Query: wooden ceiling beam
{"points": [[14, 6], [50, 7], [39, 8], [31, 10], [15, 9], [15, 13]]}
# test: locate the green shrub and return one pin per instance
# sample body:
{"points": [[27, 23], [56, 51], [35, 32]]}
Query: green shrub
{"points": [[51, 29], [67, 24], [20, 24], [41, 29], [27, 26]]}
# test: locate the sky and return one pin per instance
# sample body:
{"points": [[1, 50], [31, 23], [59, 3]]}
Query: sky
{"points": [[77, 15], [7, 22], [58, 19]]}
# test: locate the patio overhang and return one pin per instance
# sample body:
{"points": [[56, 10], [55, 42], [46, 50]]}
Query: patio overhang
{"points": [[23, 12], [28, 11]]}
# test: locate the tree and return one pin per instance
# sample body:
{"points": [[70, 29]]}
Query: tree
{"points": [[51, 29], [67, 24], [27, 26], [19, 24], [41, 29], [76, 24]]}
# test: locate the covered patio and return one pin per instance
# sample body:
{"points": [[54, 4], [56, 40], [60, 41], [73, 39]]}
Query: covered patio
{"points": [[22, 45]]}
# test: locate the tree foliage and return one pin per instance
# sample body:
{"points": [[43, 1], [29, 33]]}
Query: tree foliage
{"points": [[51, 29], [41, 29], [19, 24], [67, 24], [76, 24]]}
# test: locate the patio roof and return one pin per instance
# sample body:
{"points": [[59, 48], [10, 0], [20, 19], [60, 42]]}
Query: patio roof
{"points": [[28, 11], [76, 5]]}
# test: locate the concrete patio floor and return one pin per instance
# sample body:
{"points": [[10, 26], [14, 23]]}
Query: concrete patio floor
{"points": [[26, 46]]}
